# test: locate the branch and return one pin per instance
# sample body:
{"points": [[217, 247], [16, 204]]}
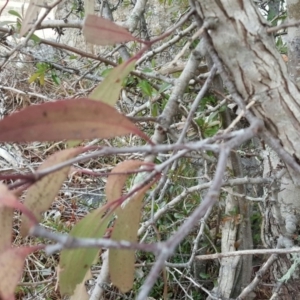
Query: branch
{"points": [[283, 26], [248, 252], [23, 93], [232, 182], [255, 282], [61, 24], [3, 7], [196, 103], [48, 8], [210, 199], [65, 241], [207, 144]]}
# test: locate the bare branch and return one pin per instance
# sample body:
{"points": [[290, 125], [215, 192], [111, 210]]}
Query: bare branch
{"points": [[67, 242]]}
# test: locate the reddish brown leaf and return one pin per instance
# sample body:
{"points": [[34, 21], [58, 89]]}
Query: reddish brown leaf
{"points": [[11, 268], [66, 119], [100, 31], [10, 201], [41, 194]]}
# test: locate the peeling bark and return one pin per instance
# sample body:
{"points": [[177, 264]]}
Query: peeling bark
{"points": [[259, 75], [254, 65]]}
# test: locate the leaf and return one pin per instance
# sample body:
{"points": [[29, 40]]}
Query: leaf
{"points": [[40, 195], [11, 268], [74, 264], [42, 78], [8, 201], [33, 77], [80, 290], [55, 78], [14, 13], [31, 15], [100, 31], [146, 88], [121, 262], [35, 38], [6, 219], [165, 86], [108, 91], [66, 119], [115, 183]]}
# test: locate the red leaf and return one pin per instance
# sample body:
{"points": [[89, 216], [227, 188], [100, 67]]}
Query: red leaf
{"points": [[100, 31], [10, 201], [11, 268], [66, 119]]}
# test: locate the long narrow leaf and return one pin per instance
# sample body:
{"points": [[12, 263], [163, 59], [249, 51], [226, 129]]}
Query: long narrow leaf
{"points": [[100, 31], [66, 119]]}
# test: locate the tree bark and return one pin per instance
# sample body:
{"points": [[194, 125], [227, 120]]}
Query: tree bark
{"points": [[251, 63], [248, 52]]}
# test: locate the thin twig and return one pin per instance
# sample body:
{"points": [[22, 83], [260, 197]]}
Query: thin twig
{"points": [[3, 7], [283, 26]]}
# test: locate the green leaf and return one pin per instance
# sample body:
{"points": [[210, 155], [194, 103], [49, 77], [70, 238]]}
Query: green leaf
{"points": [[211, 131], [121, 262], [33, 77], [73, 57], [200, 122], [165, 86], [154, 110], [42, 79], [108, 91], [14, 13], [146, 88], [105, 72], [212, 117], [153, 63], [74, 264], [204, 276], [55, 78], [147, 70], [35, 38], [120, 60]]}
